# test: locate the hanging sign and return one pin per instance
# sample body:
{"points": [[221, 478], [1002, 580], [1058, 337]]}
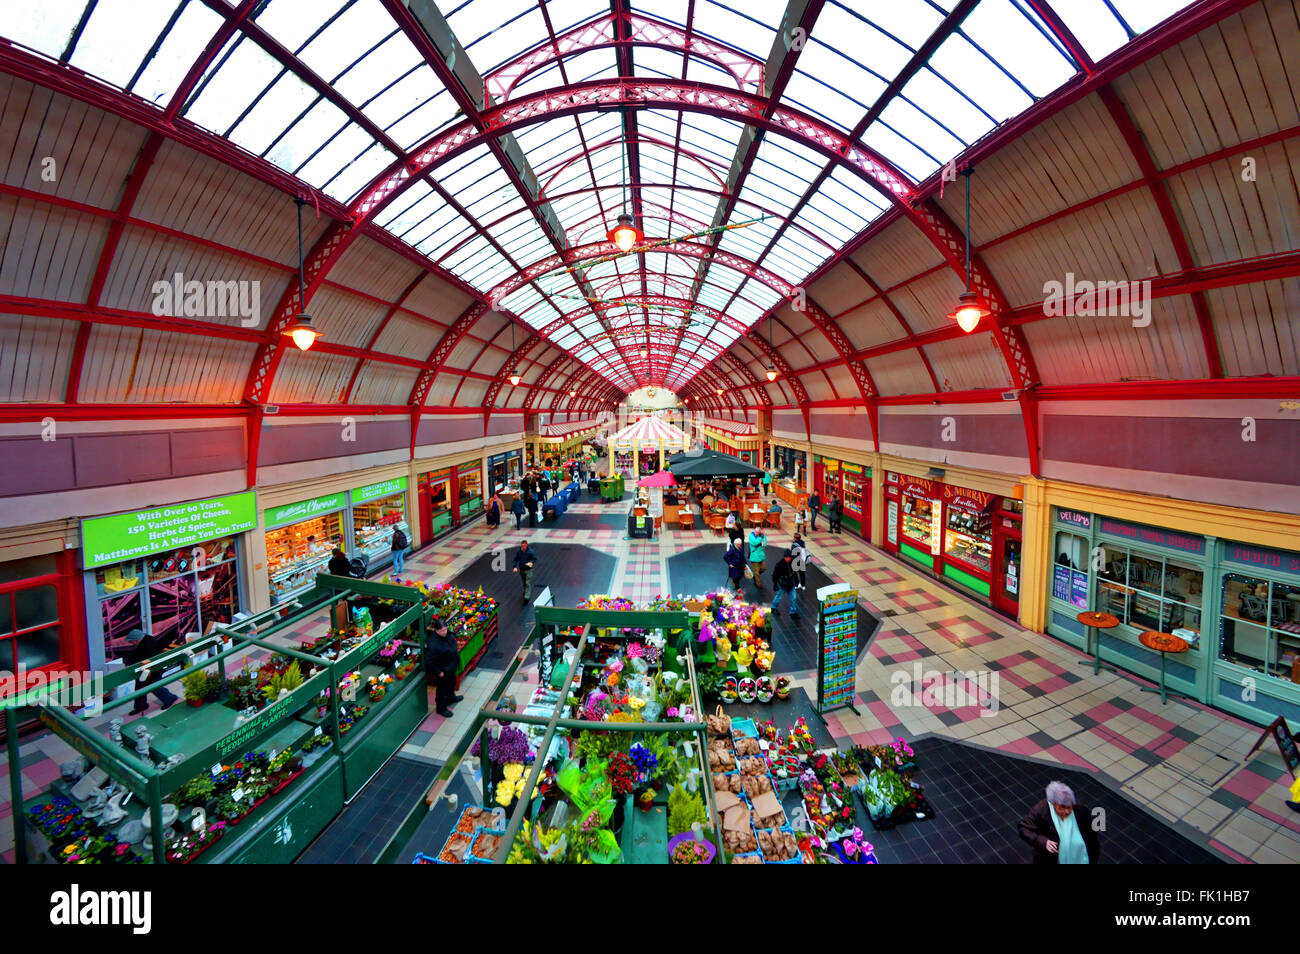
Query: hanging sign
{"points": [[385, 488], [1074, 518], [304, 510], [124, 536], [917, 487]]}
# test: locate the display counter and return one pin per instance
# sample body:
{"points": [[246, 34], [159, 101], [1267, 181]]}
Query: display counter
{"points": [[256, 760], [788, 492]]}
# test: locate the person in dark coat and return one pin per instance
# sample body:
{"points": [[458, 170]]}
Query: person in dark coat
{"points": [[784, 582], [339, 565], [145, 647], [1060, 830], [531, 504], [525, 485], [814, 507], [517, 509], [441, 660], [735, 563], [836, 513], [525, 560], [543, 487]]}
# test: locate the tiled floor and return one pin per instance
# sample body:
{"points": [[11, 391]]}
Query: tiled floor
{"points": [[939, 665]]}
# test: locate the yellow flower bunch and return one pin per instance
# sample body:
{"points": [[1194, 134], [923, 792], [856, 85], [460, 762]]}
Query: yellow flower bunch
{"points": [[513, 771]]}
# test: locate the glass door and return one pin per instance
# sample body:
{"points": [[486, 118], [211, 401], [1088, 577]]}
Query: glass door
{"points": [[440, 517], [1006, 574]]}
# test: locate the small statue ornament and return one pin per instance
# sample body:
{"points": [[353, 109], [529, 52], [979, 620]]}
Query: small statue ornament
{"points": [[142, 739]]}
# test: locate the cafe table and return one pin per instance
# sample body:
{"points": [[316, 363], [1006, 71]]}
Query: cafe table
{"points": [[1095, 623], [1164, 644]]}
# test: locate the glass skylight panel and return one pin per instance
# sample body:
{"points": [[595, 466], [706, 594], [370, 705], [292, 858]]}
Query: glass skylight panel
{"points": [[1142, 15], [353, 32], [407, 209], [745, 31], [238, 77], [922, 131], [1094, 26], [1002, 31], [824, 100], [287, 98], [118, 36], [901, 154], [346, 145], [419, 125], [356, 175], [367, 78], [179, 51], [977, 77], [882, 35], [506, 35], [566, 14], [44, 26], [292, 22]]}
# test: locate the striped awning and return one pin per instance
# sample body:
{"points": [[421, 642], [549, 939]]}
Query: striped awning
{"points": [[649, 432]]}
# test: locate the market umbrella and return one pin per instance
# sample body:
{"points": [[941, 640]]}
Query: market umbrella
{"points": [[713, 464], [663, 478]]}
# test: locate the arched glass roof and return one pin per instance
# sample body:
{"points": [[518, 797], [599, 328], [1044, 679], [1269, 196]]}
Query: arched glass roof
{"points": [[340, 94]]}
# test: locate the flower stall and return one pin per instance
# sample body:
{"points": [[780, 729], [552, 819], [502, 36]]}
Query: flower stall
{"points": [[471, 616], [595, 755], [279, 734]]}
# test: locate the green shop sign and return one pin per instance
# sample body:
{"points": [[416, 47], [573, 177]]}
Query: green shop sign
{"points": [[124, 536], [384, 488], [295, 513]]}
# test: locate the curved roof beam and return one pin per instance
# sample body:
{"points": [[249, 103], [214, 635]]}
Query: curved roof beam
{"points": [[637, 30]]}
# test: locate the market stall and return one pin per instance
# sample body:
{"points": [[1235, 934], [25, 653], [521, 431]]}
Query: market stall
{"points": [[471, 616], [645, 443], [275, 736]]}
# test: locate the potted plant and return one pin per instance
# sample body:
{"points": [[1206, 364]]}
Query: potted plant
{"points": [[196, 687], [196, 791], [646, 799]]}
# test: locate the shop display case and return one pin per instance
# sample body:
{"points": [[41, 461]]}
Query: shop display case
{"points": [[296, 553], [920, 521], [969, 538], [373, 524], [274, 736]]}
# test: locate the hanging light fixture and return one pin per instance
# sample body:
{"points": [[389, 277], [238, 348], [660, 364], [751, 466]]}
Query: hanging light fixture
{"points": [[970, 306], [771, 366], [624, 235], [301, 330], [514, 378], [573, 394]]}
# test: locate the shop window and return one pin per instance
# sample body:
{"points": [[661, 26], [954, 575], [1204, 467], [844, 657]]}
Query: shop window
{"points": [[1148, 592], [1259, 626], [470, 482], [1070, 570], [296, 553], [35, 608], [169, 594]]}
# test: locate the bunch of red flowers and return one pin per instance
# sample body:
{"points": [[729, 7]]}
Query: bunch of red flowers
{"points": [[621, 773]]}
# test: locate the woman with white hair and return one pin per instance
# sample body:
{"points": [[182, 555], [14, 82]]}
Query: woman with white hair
{"points": [[1061, 830]]}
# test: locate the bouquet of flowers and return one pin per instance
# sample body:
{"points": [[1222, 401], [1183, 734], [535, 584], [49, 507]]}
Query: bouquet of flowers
{"points": [[621, 772]]}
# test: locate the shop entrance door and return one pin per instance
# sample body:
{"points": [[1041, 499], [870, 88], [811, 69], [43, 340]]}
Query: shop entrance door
{"points": [[1006, 571], [436, 502]]}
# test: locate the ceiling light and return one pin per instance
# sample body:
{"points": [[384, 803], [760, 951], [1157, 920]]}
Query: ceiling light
{"points": [[573, 394], [719, 392], [970, 306], [514, 380], [771, 373], [303, 332], [970, 309], [625, 235]]}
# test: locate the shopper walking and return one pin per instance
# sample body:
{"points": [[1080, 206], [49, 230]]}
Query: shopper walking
{"points": [[836, 513], [800, 520], [441, 660], [767, 482], [525, 560], [733, 527], [735, 563], [757, 555], [398, 546], [784, 581], [801, 558], [543, 487], [814, 507], [144, 647], [525, 485], [1060, 830], [517, 509], [494, 511], [530, 503]]}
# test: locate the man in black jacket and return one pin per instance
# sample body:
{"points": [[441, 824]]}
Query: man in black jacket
{"points": [[525, 558], [441, 660], [339, 565], [814, 507], [146, 647], [783, 581], [836, 514], [530, 502]]}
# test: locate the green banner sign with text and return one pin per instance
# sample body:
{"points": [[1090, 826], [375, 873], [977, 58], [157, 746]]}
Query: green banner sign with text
{"points": [[384, 488], [304, 510], [125, 536]]}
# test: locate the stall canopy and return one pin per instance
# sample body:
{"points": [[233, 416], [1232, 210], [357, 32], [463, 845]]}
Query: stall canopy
{"points": [[650, 432], [711, 464], [661, 478]]}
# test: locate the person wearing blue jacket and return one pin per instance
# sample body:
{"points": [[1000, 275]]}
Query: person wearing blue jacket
{"points": [[735, 563]]}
